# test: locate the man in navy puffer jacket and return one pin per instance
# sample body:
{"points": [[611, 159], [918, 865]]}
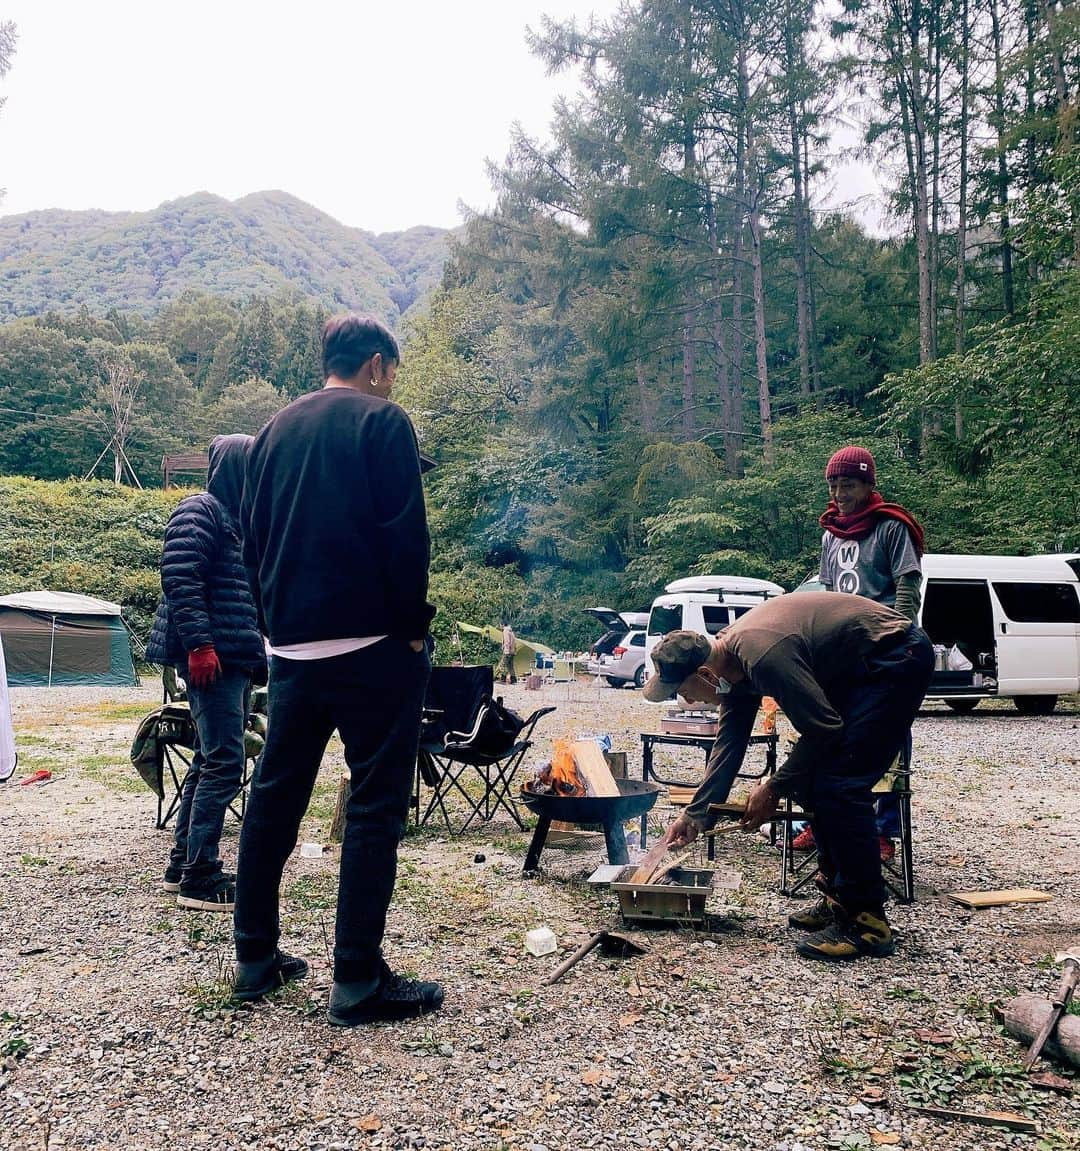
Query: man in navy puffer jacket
{"points": [[206, 628]]}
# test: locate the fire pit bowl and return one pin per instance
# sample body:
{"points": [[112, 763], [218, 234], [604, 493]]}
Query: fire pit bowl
{"points": [[610, 811]]}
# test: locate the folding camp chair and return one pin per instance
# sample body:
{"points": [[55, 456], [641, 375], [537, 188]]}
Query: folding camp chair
{"points": [[164, 747], [452, 703], [898, 874]]}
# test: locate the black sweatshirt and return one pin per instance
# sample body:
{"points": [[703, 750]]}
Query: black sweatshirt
{"points": [[335, 532]]}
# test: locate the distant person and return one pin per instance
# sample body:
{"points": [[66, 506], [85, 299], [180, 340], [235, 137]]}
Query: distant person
{"points": [[509, 650], [336, 544], [850, 675], [874, 549], [206, 629]]}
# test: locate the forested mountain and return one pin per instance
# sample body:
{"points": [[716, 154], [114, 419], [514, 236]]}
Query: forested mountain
{"points": [[259, 245]]}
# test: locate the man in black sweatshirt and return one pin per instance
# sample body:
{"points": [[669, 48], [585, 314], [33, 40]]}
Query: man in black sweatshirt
{"points": [[336, 546]]}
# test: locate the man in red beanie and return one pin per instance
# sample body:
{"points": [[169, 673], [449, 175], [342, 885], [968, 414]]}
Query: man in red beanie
{"points": [[870, 548]]}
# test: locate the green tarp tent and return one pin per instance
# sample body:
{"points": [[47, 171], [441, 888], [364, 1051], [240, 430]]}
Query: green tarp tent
{"points": [[524, 659], [56, 638]]}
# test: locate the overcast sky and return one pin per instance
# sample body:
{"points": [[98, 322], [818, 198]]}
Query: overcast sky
{"points": [[381, 114]]}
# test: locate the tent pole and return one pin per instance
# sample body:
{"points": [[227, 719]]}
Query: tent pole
{"points": [[52, 646]]}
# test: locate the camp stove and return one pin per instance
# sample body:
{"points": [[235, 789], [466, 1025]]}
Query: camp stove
{"points": [[675, 900]]}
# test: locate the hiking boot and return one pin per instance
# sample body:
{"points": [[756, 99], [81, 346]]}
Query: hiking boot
{"points": [[814, 918], [804, 841], [394, 998], [867, 933], [257, 978], [886, 849], [174, 873], [213, 893]]}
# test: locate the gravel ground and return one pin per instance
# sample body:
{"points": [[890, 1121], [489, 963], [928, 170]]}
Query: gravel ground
{"points": [[115, 1027]]}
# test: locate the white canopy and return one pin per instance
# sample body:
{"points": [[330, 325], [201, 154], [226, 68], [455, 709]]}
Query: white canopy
{"points": [[59, 603]]}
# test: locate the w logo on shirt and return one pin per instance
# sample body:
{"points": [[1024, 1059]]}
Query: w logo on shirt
{"points": [[847, 555]]}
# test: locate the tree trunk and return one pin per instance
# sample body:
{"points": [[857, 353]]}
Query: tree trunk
{"points": [[719, 336], [1002, 165], [802, 244], [645, 405], [689, 349], [935, 198], [737, 210], [961, 226], [921, 197], [760, 345]]}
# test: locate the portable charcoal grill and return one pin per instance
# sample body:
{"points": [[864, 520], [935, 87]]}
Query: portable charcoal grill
{"points": [[635, 798]]}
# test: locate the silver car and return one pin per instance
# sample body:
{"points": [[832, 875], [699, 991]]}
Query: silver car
{"points": [[619, 654]]}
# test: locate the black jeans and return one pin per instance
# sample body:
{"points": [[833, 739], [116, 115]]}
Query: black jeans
{"points": [[220, 711], [374, 698], [878, 704]]}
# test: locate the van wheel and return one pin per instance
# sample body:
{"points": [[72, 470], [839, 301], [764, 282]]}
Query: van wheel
{"points": [[962, 706], [1035, 704], [639, 677]]}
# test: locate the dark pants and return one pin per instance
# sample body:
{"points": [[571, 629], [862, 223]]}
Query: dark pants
{"points": [[374, 698], [220, 711], [878, 704], [888, 805]]}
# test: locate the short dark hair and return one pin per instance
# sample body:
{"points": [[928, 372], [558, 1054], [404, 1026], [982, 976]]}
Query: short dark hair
{"points": [[349, 341]]}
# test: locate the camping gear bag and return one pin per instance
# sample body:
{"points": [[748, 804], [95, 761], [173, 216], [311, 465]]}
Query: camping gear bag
{"points": [[493, 733]]}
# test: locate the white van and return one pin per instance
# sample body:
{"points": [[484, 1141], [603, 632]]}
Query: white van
{"points": [[1015, 618], [704, 604]]}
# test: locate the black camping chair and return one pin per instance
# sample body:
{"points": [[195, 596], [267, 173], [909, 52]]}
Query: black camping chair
{"points": [[454, 698]]}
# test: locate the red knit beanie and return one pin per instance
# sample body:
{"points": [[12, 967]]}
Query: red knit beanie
{"points": [[851, 461]]}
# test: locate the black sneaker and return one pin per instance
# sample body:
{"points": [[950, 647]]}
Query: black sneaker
{"points": [[396, 998], [258, 978], [174, 873], [215, 893]]}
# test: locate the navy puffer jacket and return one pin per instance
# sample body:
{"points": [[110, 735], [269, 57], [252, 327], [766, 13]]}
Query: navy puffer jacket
{"points": [[206, 597]]}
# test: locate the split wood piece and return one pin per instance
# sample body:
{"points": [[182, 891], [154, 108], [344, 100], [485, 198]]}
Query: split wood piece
{"points": [[643, 873], [1025, 1016], [1000, 898], [738, 810], [337, 824], [1007, 1119], [593, 768]]}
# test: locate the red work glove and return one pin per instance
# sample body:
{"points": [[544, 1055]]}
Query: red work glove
{"points": [[203, 666]]}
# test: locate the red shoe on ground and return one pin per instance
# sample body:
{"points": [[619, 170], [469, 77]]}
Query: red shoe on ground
{"points": [[804, 841], [887, 849]]}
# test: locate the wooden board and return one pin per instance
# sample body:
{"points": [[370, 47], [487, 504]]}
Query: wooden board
{"points": [[679, 795], [999, 898], [645, 870], [1008, 1119], [593, 768]]}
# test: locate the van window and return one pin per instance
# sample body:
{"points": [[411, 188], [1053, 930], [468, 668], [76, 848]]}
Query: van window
{"points": [[739, 611], [715, 618], [665, 619], [1039, 602], [958, 612]]}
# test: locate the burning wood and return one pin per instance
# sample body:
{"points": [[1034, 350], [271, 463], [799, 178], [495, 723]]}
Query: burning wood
{"points": [[560, 776]]}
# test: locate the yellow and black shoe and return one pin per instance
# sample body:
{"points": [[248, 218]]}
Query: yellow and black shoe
{"points": [[814, 918], [848, 938]]}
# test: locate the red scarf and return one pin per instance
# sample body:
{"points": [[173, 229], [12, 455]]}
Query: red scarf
{"points": [[862, 523]]}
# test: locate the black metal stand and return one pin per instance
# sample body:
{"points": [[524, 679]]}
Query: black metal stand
{"points": [[614, 839]]}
